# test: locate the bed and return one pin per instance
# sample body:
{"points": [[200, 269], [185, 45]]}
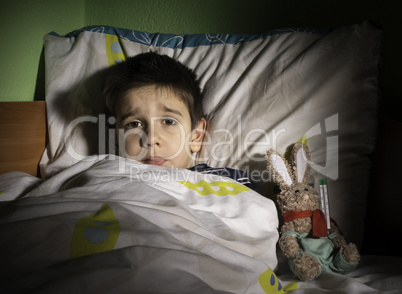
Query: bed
{"points": [[76, 219]]}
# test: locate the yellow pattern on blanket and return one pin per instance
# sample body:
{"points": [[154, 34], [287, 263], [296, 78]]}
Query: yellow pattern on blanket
{"points": [[95, 233], [270, 283], [218, 188], [114, 49]]}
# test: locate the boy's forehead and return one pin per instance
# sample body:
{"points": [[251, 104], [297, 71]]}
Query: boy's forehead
{"points": [[159, 98]]}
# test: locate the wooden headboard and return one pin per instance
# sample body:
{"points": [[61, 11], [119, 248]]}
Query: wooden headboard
{"points": [[23, 136]]}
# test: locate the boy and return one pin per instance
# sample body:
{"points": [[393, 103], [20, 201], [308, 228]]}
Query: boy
{"points": [[157, 102]]}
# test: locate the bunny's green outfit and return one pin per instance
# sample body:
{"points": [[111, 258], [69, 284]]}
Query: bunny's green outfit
{"points": [[322, 249]]}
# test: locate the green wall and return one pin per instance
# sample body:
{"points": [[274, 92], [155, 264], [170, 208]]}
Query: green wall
{"points": [[24, 22]]}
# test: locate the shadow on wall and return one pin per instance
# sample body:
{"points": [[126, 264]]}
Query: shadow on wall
{"points": [[39, 94]]}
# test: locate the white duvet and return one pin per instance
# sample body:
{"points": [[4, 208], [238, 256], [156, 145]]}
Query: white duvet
{"points": [[117, 226]]}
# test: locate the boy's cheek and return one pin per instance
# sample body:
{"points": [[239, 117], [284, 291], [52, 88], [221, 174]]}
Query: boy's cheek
{"points": [[132, 147]]}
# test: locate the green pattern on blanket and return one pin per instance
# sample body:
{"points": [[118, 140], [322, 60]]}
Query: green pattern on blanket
{"points": [[218, 188], [95, 233]]}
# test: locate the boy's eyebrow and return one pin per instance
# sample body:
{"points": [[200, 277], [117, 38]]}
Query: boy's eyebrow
{"points": [[128, 114], [162, 106], [168, 109]]}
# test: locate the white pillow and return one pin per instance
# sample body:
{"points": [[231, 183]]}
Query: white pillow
{"points": [[262, 91]]}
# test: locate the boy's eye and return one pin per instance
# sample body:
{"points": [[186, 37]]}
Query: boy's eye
{"points": [[133, 125], [169, 121]]}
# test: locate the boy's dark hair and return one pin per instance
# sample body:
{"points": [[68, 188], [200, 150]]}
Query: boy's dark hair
{"points": [[152, 69]]}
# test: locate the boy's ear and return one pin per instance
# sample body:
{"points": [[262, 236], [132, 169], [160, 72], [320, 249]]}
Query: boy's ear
{"points": [[197, 135]]}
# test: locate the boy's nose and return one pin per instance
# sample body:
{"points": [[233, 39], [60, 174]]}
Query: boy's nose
{"points": [[151, 138]]}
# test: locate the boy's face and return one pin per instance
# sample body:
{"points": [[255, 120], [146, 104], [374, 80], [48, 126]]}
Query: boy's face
{"points": [[157, 128]]}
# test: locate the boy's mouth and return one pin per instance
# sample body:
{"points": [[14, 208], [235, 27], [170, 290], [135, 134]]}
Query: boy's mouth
{"points": [[154, 160]]}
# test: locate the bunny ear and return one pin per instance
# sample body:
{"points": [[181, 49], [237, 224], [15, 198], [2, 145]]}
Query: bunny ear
{"points": [[279, 167], [300, 156]]}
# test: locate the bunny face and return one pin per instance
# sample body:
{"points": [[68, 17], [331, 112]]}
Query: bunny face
{"points": [[299, 197]]}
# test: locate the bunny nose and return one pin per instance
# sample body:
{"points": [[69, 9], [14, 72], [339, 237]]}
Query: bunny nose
{"points": [[305, 197]]}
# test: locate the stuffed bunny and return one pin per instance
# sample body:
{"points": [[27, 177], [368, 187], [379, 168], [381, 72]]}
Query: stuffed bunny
{"points": [[305, 240]]}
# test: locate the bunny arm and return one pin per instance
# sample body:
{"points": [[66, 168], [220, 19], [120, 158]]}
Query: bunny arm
{"points": [[289, 246], [339, 241], [349, 251]]}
